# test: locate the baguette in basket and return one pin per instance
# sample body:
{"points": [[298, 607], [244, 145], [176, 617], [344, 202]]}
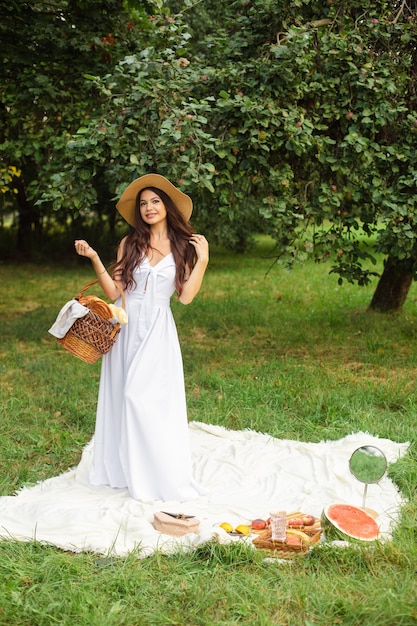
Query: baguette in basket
{"points": [[94, 333]]}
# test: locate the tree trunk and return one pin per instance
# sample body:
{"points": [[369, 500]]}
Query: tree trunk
{"points": [[393, 287], [26, 221]]}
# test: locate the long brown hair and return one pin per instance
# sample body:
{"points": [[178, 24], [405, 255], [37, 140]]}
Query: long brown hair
{"points": [[138, 243]]}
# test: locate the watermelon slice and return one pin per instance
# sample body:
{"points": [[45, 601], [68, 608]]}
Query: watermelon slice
{"points": [[344, 521]]}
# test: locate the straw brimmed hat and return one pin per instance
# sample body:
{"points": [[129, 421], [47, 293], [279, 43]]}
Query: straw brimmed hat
{"points": [[127, 203]]}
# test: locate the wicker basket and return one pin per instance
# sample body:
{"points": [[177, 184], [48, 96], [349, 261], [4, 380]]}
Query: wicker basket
{"points": [[309, 536], [94, 334]]}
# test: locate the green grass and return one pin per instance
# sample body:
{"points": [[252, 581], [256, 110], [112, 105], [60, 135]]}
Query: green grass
{"points": [[289, 353]]}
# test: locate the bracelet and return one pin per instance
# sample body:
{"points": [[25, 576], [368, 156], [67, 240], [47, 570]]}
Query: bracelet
{"points": [[103, 272]]}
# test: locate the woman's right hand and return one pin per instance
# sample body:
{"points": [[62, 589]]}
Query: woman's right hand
{"points": [[84, 249]]}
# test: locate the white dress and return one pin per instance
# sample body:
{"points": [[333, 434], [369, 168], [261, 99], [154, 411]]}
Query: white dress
{"points": [[141, 439]]}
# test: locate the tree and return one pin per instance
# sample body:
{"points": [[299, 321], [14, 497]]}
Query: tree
{"points": [[321, 116], [298, 119], [47, 47], [301, 117]]}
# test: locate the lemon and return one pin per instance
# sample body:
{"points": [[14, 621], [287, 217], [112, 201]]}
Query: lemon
{"points": [[227, 527], [242, 529]]}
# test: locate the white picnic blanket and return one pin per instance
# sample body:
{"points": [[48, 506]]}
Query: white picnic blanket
{"points": [[247, 475]]}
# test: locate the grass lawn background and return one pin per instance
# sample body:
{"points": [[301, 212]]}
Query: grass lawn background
{"points": [[289, 353]]}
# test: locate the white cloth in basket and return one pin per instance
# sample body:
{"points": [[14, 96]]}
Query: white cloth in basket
{"points": [[70, 312]]}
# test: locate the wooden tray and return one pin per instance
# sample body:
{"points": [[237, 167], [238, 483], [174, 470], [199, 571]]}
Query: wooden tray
{"points": [[308, 535]]}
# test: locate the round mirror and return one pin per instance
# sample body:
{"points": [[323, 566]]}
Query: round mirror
{"points": [[368, 464]]}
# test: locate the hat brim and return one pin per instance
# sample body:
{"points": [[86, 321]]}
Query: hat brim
{"points": [[127, 202]]}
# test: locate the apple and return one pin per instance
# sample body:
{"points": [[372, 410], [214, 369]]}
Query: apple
{"points": [[303, 520], [293, 540], [258, 524]]}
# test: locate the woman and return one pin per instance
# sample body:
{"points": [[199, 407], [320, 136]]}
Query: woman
{"points": [[141, 436]]}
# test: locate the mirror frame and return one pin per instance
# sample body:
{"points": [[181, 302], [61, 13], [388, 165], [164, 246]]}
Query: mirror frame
{"points": [[378, 454]]}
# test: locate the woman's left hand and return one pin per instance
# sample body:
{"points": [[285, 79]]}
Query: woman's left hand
{"points": [[192, 284], [84, 249], [201, 246]]}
